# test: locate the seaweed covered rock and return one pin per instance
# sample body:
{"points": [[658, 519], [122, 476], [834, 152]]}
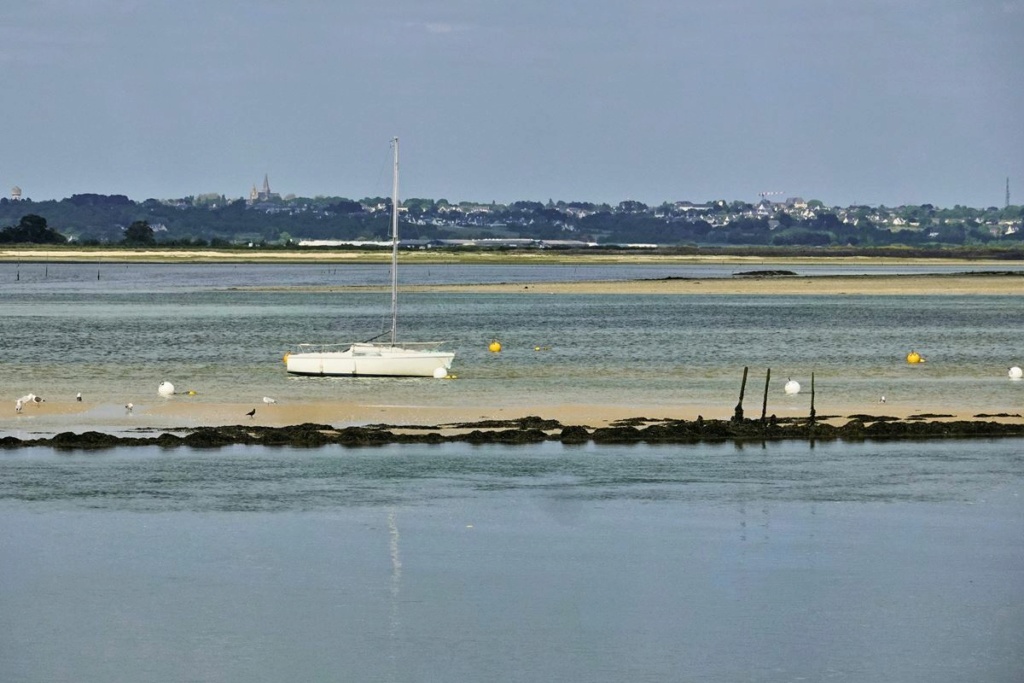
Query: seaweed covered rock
{"points": [[616, 435], [363, 436], [676, 431], [854, 429], [85, 440], [713, 429], [302, 435], [168, 441], [510, 436], [534, 422], [208, 437], [574, 434]]}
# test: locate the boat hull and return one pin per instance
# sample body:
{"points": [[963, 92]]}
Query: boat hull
{"points": [[368, 360]]}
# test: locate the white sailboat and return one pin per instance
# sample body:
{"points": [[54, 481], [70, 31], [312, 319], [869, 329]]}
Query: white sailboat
{"points": [[376, 359]]}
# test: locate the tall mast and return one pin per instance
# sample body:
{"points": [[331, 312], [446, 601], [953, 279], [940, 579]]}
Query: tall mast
{"points": [[394, 244]]}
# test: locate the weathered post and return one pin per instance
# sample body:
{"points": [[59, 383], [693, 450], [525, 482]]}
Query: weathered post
{"points": [[764, 404], [738, 415], [812, 398]]}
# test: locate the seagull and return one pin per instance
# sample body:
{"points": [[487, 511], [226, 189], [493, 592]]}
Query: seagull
{"points": [[17, 406], [251, 413], [78, 397], [129, 407], [268, 400], [882, 400]]}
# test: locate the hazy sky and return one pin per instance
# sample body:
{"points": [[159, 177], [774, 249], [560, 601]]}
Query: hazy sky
{"points": [[848, 101]]}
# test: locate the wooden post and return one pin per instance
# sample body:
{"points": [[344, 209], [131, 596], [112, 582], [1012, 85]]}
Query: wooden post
{"points": [[764, 404], [812, 397], [738, 415]]}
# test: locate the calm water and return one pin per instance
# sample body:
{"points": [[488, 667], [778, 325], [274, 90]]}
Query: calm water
{"points": [[858, 562], [116, 339], [895, 562]]}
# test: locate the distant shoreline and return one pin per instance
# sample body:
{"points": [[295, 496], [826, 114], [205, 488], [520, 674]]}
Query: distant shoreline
{"points": [[995, 282]]}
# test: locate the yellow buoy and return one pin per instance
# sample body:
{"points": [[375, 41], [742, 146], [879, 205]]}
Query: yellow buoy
{"points": [[914, 357], [284, 359], [495, 346]]}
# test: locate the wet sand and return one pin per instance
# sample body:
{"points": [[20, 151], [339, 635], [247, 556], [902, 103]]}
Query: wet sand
{"points": [[837, 285], [183, 413]]}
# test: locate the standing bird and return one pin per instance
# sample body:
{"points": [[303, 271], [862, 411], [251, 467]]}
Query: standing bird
{"points": [[17, 406], [251, 413], [268, 400], [128, 407], [882, 400], [78, 397]]}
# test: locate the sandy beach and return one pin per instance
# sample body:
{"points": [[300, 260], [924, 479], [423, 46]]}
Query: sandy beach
{"points": [[180, 413]]}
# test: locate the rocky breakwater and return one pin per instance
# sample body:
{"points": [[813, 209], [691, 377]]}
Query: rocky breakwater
{"points": [[529, 430]]}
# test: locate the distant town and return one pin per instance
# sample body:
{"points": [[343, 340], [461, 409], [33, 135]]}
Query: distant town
{"points": [[267, 219]]}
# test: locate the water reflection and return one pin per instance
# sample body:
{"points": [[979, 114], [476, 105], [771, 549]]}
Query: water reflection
{"points": [[715, 563]]}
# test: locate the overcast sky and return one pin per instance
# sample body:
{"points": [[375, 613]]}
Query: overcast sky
{"points": [[847, 101]]}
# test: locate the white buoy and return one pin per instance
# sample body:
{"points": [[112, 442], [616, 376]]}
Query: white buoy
{"points": [[1016, 372], [792, 387], [268, 400], [440, 373], [165, 389]]}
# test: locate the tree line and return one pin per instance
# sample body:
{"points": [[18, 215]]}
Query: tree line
{"points": [[93, 219]]}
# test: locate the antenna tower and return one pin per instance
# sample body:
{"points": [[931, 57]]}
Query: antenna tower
{"points": [[1007, 192]]}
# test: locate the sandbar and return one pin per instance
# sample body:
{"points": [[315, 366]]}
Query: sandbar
{"points": [[160, 415], [1002, 284]]}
